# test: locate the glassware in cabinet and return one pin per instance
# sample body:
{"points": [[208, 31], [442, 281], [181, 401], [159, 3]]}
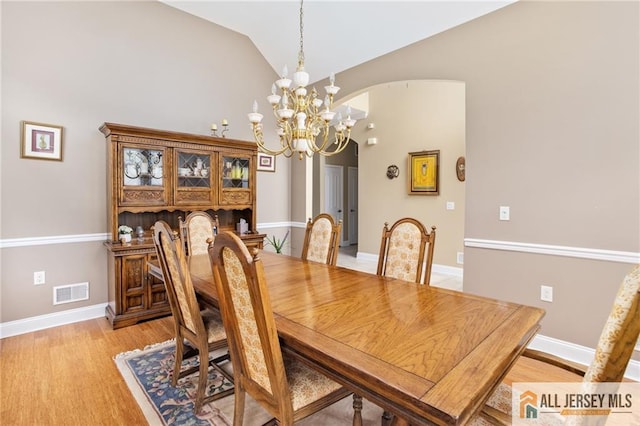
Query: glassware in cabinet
{"points": [[142, 167], [236, 171], [193, 169]]}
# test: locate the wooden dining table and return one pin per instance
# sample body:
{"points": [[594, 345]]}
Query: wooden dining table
{"points": [[427, 354]]}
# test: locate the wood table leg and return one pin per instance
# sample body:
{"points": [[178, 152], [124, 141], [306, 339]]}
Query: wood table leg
{"points": [[357, 410]]}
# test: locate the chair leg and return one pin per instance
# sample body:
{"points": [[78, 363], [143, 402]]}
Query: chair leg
{"points": [[387, 417], [202, 380], [178, 361], [357, 410], [238, 406]]}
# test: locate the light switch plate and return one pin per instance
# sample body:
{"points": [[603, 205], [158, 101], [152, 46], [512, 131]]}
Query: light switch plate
{"points": [[504, 213]]}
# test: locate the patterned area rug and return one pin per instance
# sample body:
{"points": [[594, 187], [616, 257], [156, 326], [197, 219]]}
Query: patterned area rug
{"points": [[147, 373]]}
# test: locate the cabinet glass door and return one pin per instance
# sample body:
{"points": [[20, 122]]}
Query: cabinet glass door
{"points": [[194, 170], [142, 167], [235, 172]]}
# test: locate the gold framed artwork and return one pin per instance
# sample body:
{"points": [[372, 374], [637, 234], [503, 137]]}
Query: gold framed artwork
{"points": [[424, 172], [41, 141]]}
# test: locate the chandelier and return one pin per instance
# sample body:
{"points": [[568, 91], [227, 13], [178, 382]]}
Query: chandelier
{"points": [[304, 120]]}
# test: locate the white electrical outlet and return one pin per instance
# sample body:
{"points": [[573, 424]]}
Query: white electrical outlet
{"points": [[546, 293], [38, 278], [451, 205], [460, 258]]}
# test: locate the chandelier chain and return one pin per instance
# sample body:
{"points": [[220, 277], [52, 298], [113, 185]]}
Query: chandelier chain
{"points": [[301, 52], [306, 124]]}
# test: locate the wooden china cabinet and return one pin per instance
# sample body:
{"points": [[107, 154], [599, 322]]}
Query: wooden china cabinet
{"points": [[161, 175]]}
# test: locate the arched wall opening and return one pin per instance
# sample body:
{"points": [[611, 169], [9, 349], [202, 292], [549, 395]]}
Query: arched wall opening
{"points": [[403, 117]]}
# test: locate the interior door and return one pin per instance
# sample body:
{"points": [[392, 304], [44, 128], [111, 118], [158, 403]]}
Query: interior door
{"points": [[333, 194], [352, 205]]}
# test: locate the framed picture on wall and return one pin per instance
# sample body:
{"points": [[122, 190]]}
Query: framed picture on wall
{"points": [[266, 162], [424, 172], [41, 141]]}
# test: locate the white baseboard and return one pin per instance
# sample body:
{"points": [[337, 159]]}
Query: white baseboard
{"points": [[438, 269], [447, 270], [28, 325], [576, 353], [367, 257]]}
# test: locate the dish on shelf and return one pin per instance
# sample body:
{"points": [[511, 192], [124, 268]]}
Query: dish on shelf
{"points": [[185, 171]]}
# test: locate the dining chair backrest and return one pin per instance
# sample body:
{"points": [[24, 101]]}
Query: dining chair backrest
{"points": [[197, 231], [404, 248], [619, 335], [256, 354], [321, 239], [180, 291]]}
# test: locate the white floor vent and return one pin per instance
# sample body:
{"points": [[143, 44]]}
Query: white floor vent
{"points": [[70, 293]]}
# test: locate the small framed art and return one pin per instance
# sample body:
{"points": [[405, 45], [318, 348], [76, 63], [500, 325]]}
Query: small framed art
{"points": [[266, 162], [41, 141], [424, 172]]}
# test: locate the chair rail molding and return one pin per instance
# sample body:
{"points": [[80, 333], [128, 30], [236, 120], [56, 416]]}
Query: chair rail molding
{"points": [[553, 250], [83, 238], [56, 239]]}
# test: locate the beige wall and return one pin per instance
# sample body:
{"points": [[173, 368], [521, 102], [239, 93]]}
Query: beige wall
{"points": [[412, 116], [552, 131], [79, 64], [551, 92]]}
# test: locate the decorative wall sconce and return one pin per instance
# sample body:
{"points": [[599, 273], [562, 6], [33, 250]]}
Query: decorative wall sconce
{"points": [[460, 169], [393, 171]]}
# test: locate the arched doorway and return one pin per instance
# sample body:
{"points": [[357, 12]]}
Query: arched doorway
{"points": [[405, 117]]}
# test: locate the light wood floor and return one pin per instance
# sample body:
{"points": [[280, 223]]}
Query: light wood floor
{"points": [[66, 375]]}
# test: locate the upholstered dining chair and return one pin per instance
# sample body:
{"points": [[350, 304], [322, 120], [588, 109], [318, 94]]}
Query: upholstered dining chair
{"points": [[321, 239], [202, 329], [286, 388], [196, 231], [404, 248], [613, 352]]}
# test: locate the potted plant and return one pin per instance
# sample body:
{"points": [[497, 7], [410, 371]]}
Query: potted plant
{"points": [[124, 233], [276, 243]]}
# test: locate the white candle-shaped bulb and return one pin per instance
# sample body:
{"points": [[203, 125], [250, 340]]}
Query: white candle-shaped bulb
{"points": [[348, 111], [285, 72], [327, 102], [273, 89], [255, 106], [332, 78]]}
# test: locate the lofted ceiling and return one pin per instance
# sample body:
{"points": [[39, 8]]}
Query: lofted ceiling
{"points": [[338, 35]]}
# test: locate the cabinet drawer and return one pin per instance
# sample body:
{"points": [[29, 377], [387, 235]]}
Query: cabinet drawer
{"points": [[193, 197], [141, 197], [231, 197]]}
